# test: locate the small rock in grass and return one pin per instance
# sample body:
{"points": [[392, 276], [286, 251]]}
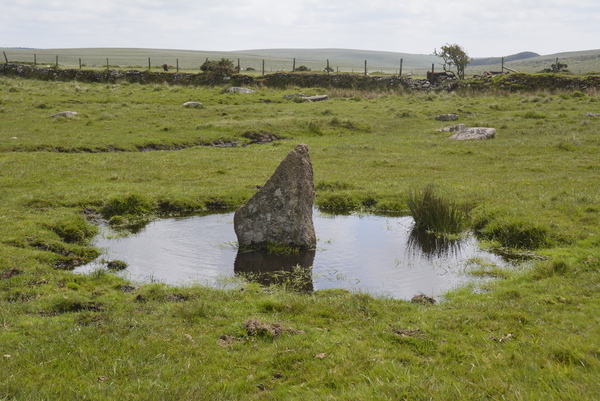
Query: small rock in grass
{"points": [[236, 89], [453, 128], [65, 114], [447, 117], [192, 104], [474, 133]]}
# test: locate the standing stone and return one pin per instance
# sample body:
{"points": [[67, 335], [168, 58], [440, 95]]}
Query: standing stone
{"points": [[281, 211]]}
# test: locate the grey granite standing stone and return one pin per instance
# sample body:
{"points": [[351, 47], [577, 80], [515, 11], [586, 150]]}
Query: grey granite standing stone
{"points": [[281, 211]]}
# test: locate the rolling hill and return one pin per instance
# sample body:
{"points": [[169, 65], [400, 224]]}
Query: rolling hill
{"points": [[342, 60]]}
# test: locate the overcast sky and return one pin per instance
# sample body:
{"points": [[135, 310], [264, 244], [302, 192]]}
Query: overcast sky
{"points": [[482, 28]]}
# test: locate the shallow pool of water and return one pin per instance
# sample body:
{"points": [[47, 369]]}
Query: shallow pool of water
{"points": [[374, 254]]}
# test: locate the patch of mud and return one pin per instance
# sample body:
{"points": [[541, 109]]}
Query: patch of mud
{"points": [[255, 138], [259, 137], [255, 327], [5, 275], [423, 299], [409, 333]]}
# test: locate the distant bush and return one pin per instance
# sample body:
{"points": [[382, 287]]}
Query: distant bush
{"points": [[224, 66], [302, 68]]}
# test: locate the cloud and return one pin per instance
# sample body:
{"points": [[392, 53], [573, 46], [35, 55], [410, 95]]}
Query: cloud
{"points": [[547, 26]]}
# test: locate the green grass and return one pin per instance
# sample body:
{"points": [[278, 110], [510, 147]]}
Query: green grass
{"points": [[530, 333]]}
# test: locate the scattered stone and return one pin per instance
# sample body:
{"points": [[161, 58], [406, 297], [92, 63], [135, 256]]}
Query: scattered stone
{"points": [[474, 133], [192, 104], [294, 95], [592, 114], [447, 117], [453, 128], [65, 114], [235, 89], [281, 211], [316, 98], [304, 98]]}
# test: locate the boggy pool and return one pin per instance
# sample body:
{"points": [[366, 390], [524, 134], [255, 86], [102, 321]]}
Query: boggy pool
{"points": [[379, 255]]}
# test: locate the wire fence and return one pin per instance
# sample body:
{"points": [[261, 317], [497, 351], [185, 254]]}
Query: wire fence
{"points": [[188, 63]]}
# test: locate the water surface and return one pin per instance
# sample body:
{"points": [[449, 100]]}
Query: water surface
{"points": [[374, 254]]}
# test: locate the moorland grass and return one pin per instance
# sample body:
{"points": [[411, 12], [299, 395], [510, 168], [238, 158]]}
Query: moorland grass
{"points": [[532, 333]]}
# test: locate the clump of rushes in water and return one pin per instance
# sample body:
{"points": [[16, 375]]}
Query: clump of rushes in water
{"points": [[435, 213]]}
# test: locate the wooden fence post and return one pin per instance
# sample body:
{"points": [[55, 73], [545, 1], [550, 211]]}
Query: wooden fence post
{"points": [[432, 73], [365, 67], [5, 58], [263, 67], [327, 65], [80, 63], [107, 65], [177, 65], [56, 61], [34, 59], [502, 70], [149, 65], [400, 72], [294, 65]]}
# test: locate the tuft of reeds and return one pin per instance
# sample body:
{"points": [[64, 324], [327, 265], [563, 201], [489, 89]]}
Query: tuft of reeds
{"points": [[435, 213]]}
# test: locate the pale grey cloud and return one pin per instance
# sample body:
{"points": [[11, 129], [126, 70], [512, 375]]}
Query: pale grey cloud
{"points": [[482, 28]]}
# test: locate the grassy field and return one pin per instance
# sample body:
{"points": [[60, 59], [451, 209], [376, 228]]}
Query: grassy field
{"points": [[133, 152]]}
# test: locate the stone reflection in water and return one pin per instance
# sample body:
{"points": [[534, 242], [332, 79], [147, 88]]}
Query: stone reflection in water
{"points": [[432, 245], [293, 270]]}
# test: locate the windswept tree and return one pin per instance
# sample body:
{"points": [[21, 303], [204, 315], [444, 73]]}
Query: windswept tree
{"points": [[454, 56]]}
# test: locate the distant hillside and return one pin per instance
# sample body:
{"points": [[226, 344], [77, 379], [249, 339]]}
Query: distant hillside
{"points": [[342, 60], [579, 62], [498, 60], [347, 57]]}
